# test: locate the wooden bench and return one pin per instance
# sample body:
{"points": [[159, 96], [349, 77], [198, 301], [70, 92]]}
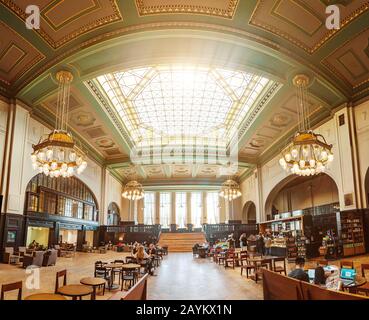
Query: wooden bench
{"points": [[137, 292], [280, 287]]}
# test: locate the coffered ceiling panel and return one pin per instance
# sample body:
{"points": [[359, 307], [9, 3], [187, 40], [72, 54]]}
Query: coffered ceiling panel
{"points": [[220, 8], [62, 21], [350, 61], [17, 55], [302, 22]]}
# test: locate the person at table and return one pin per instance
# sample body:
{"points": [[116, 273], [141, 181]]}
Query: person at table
{"points": [[268, 245], [299, 273], [231, 241], [333, 281], [152, 249], [243, 241], [320, 277], [142, 257]]}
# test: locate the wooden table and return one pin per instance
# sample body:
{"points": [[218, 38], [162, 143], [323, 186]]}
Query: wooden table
{"points": [[45, 296], [76, 291], [94, 283], [130, 266], [359, 281], [257, 260]]}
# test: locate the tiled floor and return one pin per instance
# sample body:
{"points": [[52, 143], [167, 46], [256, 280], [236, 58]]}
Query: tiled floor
{"points": [[180, 277]]}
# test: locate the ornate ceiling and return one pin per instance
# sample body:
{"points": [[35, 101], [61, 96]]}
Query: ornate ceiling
{"points": [[273, 39]]}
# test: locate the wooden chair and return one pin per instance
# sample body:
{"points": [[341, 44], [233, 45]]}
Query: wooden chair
{"points": [[230, 259], [11, 287], [221, 258], [347, 264], [59, 274], [242, 260], [322, 263], [278, 268], [248, 267]]}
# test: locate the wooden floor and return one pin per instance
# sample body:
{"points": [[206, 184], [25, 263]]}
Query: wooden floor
{"points": [[180, 277]]}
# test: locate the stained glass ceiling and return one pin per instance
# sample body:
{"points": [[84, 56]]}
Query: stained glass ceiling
{"points": [[179, 102]]}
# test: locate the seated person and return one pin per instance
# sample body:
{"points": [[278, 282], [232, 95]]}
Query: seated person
{"points": [[152, 249], [333, 281], [319, 278], [142, 256], [299, 272]]}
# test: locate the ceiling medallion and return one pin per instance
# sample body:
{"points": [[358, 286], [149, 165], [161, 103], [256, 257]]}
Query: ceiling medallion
{"points": [[57, 154], [309, 154], [230, 190]]}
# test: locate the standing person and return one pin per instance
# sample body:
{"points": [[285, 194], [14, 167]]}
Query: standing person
{"points": [[243, 241], [268, 245], [260, 244], [231, 241]]}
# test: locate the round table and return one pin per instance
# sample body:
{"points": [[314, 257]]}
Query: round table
{"points": [[94, 282], [45, 296], [131, 266], [76, 291], [112, 285], [359, 281]]}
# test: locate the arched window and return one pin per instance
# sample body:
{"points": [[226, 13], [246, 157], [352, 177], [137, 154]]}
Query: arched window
{"points": [[113, 214], [68, 197]]}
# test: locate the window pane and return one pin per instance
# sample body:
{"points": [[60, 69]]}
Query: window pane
{"points": [[212, 203], [181, 209], [149, 208], [165, 209], [196, 209]]}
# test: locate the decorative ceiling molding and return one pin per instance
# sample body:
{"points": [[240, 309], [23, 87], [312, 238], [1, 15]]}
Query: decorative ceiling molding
{"points": [[268, 9], [57, 29], [219, 8]]}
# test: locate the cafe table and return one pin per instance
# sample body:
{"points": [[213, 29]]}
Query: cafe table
{"points": [[45, 296], [76, 291], [94, 283], [257, 261], [112, 266], [359, 281]]}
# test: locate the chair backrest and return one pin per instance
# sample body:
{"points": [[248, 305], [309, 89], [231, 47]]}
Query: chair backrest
{"points": [[9, 250], [22, 249], [281, 259], [137, 292], [59, 274], [278, 287], [364, 267], [118, 261], [347, 264], [314, 292], [10, 287]]}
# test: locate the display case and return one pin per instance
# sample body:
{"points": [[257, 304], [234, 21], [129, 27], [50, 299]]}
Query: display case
{"points": [[352, 233]]}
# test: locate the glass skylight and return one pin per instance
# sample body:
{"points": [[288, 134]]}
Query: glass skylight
{"points": [[180, 102]]}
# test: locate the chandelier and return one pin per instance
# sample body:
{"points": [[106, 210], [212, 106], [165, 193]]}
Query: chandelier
{"points": [[57, 154], [230, 190], [309, 154], [133, 190]]}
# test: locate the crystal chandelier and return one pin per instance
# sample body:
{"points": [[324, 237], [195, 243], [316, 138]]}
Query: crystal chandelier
{"points": [[309, 154], [57, 155], [230, 190], [133, 190]]}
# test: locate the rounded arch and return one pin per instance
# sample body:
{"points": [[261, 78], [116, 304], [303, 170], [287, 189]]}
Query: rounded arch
{"points": [[67, 188], [113, 218], [366, 187], [293, 180], [249, 212]]}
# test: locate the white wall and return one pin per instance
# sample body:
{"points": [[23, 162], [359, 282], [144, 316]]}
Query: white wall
{"points": [[113, 193]]}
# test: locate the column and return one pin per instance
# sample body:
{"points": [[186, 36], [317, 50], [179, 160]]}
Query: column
{"points": [[204, 208], [222, 210], [173, 226], [140, 211], [157, 208], [189, 215]]}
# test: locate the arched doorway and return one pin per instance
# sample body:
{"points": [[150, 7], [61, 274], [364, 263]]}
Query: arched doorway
{"points": [[249, 213], [366, 183], [298, 193], [113, 218]]}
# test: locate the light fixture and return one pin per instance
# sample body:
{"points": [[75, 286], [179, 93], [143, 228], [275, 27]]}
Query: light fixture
{"points": [[309, 154], [133, 190], [57, 154], [230, 190]]}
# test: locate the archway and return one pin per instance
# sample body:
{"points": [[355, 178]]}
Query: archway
{"points": [[297, 193], [249, 213], [366, 186], [113, 218]]}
